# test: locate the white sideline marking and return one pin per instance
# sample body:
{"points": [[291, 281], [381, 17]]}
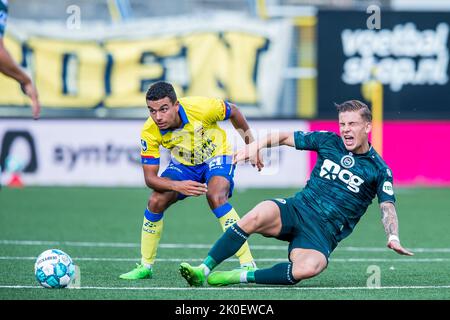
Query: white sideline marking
{"points": [[234, 260], [196, 246], [238, 288]]}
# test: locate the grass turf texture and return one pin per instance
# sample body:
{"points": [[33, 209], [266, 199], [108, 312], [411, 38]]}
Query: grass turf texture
{"points": [[100, 229]]}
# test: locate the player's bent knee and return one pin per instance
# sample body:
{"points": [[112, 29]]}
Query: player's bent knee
{"points": [[216, 199], [265, 219], [159, 202], [305, 271], [250, 222]]}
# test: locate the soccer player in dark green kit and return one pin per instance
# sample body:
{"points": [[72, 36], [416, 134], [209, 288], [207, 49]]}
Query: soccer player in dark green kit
{"points": [[346, 178]]}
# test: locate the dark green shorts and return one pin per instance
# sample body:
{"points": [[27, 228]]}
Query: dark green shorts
{"points": [[303, 228]]}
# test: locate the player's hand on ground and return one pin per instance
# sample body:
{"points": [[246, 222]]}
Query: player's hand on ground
{"points": [[397, 247], [190, 188], [29, 89]]}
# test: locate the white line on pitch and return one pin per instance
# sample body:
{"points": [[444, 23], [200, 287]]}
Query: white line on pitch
{"points": [[196, 246], [290, 288], [410, 260]]}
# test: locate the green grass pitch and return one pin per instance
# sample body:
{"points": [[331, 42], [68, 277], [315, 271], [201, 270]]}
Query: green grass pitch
{"points": [[100, 229]]}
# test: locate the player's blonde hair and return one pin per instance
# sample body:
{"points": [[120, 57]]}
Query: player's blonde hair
{"points": [[355, 105]]}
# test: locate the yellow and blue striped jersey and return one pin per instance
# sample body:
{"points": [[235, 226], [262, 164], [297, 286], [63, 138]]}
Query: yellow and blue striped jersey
{"points": [[200, 138]]}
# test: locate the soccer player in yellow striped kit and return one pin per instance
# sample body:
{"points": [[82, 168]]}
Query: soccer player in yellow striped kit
{"points": [[201, 163]]}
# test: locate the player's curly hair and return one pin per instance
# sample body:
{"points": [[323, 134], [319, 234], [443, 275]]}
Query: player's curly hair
{"points": [[355, 105], [159, 90]]}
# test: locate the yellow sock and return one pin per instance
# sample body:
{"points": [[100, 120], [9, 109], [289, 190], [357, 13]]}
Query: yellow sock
{"points": [[227, 217], [150, 236]]}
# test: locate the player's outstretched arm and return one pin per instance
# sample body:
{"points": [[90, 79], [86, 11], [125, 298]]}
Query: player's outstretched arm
{"points": [[10, 68], [390, 223], [186, 187], [251, 152], [240, 124]]}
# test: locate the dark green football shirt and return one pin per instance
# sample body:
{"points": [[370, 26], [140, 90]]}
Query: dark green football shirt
{"points": [[342, 184], [3, 16]]}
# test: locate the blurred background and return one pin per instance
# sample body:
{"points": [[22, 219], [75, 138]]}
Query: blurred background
{"points": [[283, 62]]}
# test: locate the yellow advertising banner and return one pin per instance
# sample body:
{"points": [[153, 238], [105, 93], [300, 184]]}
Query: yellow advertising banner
{"points": [[242, 66]]}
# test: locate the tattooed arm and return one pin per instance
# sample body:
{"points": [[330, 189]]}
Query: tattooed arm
{"points": [[390, 223]]}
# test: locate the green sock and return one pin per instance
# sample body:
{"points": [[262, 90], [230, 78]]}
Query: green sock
{"points": [[280, 273], [227, 245], [210, 262], [251, 276]]}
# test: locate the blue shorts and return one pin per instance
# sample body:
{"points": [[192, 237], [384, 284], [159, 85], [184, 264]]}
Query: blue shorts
{"points": [[217, 166]]}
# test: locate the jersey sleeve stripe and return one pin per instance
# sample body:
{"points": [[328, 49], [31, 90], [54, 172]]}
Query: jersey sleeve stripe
{"points": [[149, 160], [298, 140], [227, 110], [219, 212], [153, 217]]}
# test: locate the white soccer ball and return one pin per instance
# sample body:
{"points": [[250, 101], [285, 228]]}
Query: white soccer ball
{"points": [[54, 269]]}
